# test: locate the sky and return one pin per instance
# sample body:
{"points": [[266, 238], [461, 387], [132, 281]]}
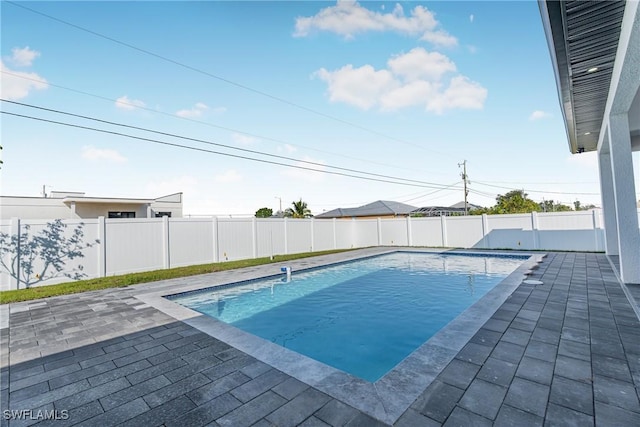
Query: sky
{"points": [[338, 104]]}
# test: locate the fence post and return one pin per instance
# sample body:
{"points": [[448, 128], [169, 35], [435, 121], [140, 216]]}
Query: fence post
{"points": [[409, 236], [335, 237], [102, 247], [254, 232], [214, 236], [596, 230], [379, 232], [286, 237], [166, 261], [313, 243], [14, 282], [443, 227], [485, 231], [534, 229]]}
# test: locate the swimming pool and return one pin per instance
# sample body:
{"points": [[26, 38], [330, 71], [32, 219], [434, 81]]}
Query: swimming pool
{"points": [[362, 317]]}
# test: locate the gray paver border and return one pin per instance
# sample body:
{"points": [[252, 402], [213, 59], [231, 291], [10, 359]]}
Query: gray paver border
{"points": [[389, 397]]}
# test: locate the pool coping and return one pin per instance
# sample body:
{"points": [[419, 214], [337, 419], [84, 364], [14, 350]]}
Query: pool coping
{"points": [[389, 397]]}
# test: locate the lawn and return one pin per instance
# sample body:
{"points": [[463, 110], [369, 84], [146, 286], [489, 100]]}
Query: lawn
{"points": [[75, 287]]}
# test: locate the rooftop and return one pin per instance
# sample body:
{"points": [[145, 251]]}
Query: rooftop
{"points": [[377, 208]]}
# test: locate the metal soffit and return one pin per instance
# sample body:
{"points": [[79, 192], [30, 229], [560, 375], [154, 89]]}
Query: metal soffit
{"points": [[583, 39]]}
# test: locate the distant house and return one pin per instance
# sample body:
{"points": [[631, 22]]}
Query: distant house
{"points": [[378, 209], [69, 205], [453, 210]]}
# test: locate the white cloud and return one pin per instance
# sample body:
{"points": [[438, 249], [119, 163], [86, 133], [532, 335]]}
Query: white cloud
{"points": [[420, 64], [125, 103], [462, 93], [348, 18], [23, 57], [228, 177], [306, 174], [362, 87], [471, 18], [196, 111], [539, 114], [242, 139], [92, 153], [416, 78], [410, 94], [17, 84]]}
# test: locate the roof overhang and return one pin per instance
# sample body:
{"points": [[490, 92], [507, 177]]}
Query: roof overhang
{"points": [[103, 200], [583, 41]]}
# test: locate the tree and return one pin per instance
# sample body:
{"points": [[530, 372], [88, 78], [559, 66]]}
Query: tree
{"points": [[264, 213], [515, 201], [551, 206], [479, 211], [299, 210], [580, 207], [50, 246]]}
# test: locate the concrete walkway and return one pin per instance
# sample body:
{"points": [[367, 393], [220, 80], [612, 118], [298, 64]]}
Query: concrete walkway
{"points": [[563, 353]]}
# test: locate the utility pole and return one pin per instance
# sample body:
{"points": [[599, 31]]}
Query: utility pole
{"points": [[465, 180], [280, 199]]}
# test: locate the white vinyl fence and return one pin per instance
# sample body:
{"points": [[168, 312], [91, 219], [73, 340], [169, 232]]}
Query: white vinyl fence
{"points": [[104, 247]]}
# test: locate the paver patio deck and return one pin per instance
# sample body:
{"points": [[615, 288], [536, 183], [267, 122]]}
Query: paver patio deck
{"points": [[563, 353]]}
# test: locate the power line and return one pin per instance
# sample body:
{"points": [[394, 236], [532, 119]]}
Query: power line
{"points": [[152, 110], [433, 185], [537, 191], [155, 141], [432, 192], [222, 79], [542, 182]]}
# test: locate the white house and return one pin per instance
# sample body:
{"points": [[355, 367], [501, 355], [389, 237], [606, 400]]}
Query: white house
{"points": [[595, 52], [75, 205]]}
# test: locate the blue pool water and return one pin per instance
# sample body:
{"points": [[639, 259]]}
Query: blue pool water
{"points": [[362, 317]]}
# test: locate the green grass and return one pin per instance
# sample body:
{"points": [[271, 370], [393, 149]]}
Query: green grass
{"points": [[67, 288]]}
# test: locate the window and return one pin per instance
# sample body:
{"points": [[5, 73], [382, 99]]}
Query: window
{"points": [[161, 214], [113, 214]]}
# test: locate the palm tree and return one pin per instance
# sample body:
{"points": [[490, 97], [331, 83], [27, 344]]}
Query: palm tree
{"points": [[300, 210]]}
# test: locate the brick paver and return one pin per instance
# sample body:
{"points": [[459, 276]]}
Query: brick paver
{"points": [[566, 352]]}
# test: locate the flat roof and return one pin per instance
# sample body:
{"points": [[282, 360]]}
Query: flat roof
{"points": [[121, 201]]}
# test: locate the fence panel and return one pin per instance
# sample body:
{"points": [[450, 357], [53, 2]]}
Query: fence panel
{"points": [[270, 236], [322, 235], [345, 234], [83, 266], [190, 241], [5, 277], [394, 232], [509, 222], [134, 245], [426, 232], [298, 235], [235, 239], [365, 233], [581, 220], [464, 231]]}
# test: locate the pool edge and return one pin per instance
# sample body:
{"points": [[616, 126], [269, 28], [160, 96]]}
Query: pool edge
{"points": [[389, 397]]}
